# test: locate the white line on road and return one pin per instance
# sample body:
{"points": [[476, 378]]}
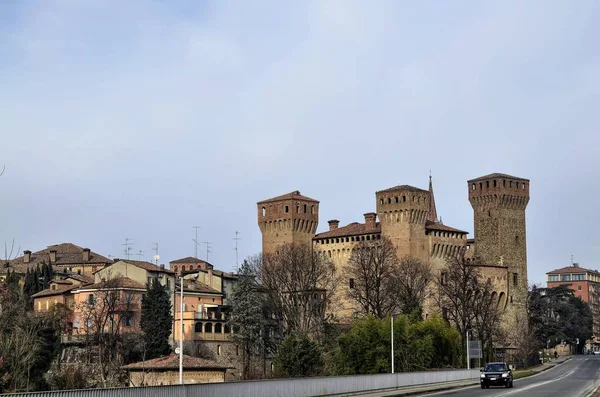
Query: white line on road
{"points": [[521, 389]]}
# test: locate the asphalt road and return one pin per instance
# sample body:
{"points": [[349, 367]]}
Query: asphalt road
{"points": [[577, 377]]}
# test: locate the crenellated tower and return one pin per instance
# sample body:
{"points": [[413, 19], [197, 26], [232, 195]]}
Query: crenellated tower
{"points": [[499, 202], [291, 218], [403, 211]]}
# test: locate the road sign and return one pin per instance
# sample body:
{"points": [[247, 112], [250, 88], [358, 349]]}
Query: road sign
{"points": [[475, 349]]}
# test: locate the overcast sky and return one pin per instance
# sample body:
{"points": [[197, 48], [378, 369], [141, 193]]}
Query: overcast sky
{"points": [[141, 119]]}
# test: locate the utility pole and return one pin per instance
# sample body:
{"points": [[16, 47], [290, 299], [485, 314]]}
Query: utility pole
{"points": [[236, 238], [208, 243], [155, 249], [195, 240], [468, 352], [127, 248]]}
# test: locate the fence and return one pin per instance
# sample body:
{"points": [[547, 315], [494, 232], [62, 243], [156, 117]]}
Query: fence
{"points": [[298, 387]]}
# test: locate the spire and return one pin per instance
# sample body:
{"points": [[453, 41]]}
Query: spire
{"points": [[432, 215]]}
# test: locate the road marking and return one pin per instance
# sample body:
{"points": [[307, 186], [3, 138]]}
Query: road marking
{"points": [[521, 389]]}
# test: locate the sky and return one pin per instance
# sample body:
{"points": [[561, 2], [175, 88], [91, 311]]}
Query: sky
{"points": [[143, 119]]}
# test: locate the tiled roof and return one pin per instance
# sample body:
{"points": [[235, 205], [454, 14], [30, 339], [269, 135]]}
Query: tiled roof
{"points": [[497, 175], [190, 259], [401, 188], [572, 269], [81, 278], [151, 267], [66, 254], [439, 226], [295, 195], [353, 229], [65, 282], [120, 282], [61, 289], [172, 362], [198, 286]]}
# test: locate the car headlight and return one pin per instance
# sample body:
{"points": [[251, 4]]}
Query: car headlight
{"points": [[482, 376], [505, 375]]}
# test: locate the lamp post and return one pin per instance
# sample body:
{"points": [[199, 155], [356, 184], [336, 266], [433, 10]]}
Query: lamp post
{"points": [[181, 330], [468, 352], [392, 321]]}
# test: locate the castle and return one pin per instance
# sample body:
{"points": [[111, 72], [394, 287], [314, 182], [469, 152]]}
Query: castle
{"points": [[407, 216]]}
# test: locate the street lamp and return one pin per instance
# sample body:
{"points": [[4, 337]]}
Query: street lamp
{"points": [[468, 351], [181, 331]]}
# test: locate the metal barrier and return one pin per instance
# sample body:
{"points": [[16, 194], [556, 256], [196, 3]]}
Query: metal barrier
{"points": [[297, 387]]}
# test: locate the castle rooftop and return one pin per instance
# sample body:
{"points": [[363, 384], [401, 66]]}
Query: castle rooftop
{"points": [[498, 176], [429, 225], [401, 188], [295, 195], [353, 229]]}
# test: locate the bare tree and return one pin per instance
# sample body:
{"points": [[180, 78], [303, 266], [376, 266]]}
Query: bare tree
{"points": [[371, 272], [299, 284], [467, 302], [412, 278], [103, 316]]}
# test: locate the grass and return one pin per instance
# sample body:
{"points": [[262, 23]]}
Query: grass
{"points": [[523, 373]]}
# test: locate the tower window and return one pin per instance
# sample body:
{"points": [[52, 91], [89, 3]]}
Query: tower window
{"points": [[404, 199], [517, 239], [287, 209], [510, 184], [381, 201], [264, 211], [351, 283], [389, 200], [494, 183], [487, 184], [480, 185], [489, 213], [515, 278], [473, 186], [504, 183], [298, 209], [305, 208], [396, 199], [523, 186], [312, 209]]}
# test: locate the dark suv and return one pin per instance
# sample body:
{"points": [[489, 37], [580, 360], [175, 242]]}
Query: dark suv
{"points": [[496, 374]]}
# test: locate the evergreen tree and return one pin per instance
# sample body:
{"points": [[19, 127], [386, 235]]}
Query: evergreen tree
{"points": [[298, 356], [247, 318], [156, 321], [47, 275], [28, 289]]}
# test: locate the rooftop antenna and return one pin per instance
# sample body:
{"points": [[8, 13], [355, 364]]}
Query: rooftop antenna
{"points": [[236, 238], [127, 247], [140, 254], [196, 243], [208, 243], [156, 256]]}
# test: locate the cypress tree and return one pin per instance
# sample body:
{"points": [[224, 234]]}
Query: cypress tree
{"points": [[156, 321], [28, 289]]}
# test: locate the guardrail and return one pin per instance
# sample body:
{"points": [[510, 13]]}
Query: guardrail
{"points": [[297, 387]]}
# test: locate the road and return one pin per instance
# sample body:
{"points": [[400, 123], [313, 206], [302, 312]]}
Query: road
{"points": [[574, 378]]}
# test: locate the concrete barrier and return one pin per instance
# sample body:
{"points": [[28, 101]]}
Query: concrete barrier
{"points": [[297, 387]]}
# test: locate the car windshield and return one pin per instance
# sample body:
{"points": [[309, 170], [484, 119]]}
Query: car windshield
{"points": [[495, 368]]}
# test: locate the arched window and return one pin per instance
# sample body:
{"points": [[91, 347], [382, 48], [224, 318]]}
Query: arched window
{"points": [[473, 186], [227, 329], [198, 327], [312, 209], [396, 199], [389, 200], [305, 208], [218, 328], [487, 184], [264, 211], [208, 328], [494, 183]]}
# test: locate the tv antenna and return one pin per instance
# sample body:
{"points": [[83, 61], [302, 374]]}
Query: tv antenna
{"points": [[156, 256], [127, 248], [236, 238], [208, 244], [140, 254], [196, 243]]}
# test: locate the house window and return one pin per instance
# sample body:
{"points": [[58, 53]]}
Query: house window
{"points": [[579, 288], [578, 277], [168, 283], [198, 327], [515, 278], [565, 277], [553, 277], [53, 288], [128, 321], [91, 299]]}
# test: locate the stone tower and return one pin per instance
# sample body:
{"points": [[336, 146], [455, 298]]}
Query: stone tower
{"points": [[291, 218], [499, 203], [403, 211]]}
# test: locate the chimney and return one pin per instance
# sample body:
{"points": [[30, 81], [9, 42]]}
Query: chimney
{"points": [[86, 254], [52, 256], [333, 224], [162, 267], [370, 218], [27, 256]]}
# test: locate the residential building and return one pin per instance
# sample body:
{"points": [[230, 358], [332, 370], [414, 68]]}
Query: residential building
{"points": [[65, 257], [165, 371], [585, 284], [188, 264]]}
